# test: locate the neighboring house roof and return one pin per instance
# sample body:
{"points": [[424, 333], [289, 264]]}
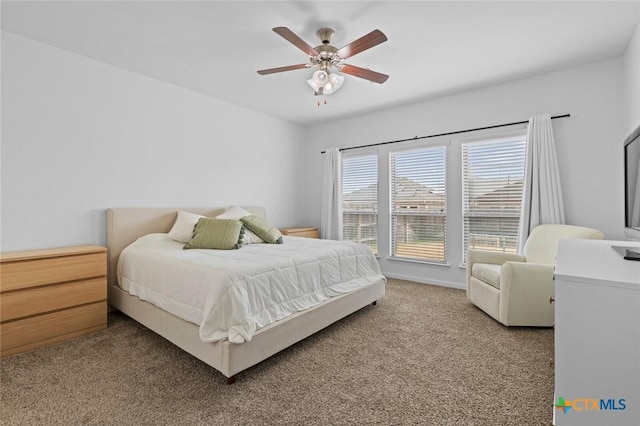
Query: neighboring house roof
{"points": [[410, 189], [368, 193], [507, 194], [409, 194], [412, 193]]}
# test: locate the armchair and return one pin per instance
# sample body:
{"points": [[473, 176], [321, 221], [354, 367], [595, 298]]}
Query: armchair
{"points": [[516, 290]]}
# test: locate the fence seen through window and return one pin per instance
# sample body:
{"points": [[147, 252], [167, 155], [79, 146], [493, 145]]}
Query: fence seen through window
{"points": [[360, 199], [493, 176], [419, 204]]}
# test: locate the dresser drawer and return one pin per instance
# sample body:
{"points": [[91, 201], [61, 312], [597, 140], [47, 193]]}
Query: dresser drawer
{"points": [[38, 300], [301, 232], [32, 273], [32, 332]]}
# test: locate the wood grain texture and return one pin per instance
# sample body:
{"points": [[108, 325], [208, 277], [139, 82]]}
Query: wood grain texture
{"points": [[39, 300], [282, 69], [293, 38], [51, 340], [30, 331], [50, 252], [34, 271], [301, 232], [365, 42], [50, 295]]}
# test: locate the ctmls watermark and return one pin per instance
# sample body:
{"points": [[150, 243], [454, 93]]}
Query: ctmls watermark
{"points": [[590, 404]]}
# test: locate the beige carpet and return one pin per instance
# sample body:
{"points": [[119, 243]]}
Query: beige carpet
{"points": [[423, 355]]}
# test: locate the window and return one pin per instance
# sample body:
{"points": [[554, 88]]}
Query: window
{"points": [[419, 204], [360, 199], [492, 179]]}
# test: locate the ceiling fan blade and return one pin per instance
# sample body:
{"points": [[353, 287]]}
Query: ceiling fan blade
{"points": [[374, 38], [289, 35], [282, 69], [370, 75]]}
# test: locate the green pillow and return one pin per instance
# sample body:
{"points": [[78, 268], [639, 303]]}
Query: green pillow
{"points": [[221, 234], [263, 229]]}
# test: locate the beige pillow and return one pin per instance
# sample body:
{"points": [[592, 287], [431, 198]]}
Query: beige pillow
{"points": [[263, 229], [235, 212], [182, 230], [220, 234]]}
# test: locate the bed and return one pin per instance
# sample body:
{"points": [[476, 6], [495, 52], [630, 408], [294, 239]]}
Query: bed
{"points": [[127, 225]]}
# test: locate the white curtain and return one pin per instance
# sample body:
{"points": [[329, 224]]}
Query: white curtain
{"points": [[542, 201], [331, 223]]}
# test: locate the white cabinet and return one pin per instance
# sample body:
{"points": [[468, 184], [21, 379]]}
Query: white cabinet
{"points": [[597, 334]]}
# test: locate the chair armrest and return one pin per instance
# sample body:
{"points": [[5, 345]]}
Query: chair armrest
{"points": [[531, 267], [483, 256], [527, 274], [525, 289]]}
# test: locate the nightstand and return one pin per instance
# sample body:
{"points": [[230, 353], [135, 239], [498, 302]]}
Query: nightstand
{"points": [[300, 231], [51, 295]]}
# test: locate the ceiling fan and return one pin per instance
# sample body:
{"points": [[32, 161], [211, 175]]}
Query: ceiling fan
{"points": [[329, 60]]}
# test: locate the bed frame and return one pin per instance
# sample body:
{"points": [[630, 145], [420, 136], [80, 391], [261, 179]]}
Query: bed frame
{"points": [[125, 225]]}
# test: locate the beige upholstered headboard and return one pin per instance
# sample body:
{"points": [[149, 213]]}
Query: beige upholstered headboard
{"points": [[125, 225]]}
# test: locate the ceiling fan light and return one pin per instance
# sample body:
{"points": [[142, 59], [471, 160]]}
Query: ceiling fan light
{"points": [[313, 85], [320, 78], [325, 83], [336, 81]]}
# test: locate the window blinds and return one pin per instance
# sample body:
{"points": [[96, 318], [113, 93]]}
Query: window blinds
{"points": [[493, 175], [419, 204], [360, 199]]}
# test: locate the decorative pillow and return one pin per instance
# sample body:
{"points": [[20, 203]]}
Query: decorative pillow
{"points": [[262, 228], [235, 212], [182, 230], [221, 234]]}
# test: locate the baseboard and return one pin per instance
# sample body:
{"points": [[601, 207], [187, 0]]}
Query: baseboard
{"points": [[422, 280]]}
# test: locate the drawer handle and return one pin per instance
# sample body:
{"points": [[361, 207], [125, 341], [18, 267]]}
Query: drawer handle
{"points": [[551, 299]]}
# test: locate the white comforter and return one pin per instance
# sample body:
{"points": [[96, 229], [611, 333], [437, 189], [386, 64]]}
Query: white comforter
{"points": [[233, 293]]}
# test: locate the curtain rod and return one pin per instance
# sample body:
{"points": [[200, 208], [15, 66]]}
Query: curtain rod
{"points": [[415, 138]]}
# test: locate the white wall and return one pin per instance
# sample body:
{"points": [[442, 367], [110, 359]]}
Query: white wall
{"points": [[79, 136], [587, 144], [631, 70]]}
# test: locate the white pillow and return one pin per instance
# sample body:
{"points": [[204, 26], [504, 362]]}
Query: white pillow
{"points": [[235, 212], [182, 230]]}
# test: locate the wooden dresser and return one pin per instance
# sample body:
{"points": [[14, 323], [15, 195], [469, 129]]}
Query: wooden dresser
{"points": [[300, 231], [51, 295]]}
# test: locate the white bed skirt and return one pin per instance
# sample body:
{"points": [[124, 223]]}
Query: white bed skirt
{"points": [[230, 358]]}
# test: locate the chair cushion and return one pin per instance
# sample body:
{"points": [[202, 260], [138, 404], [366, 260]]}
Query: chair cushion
{"points": [[488, 273]]}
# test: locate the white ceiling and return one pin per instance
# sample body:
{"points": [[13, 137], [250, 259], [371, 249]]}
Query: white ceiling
{"points": [[434, 48]]}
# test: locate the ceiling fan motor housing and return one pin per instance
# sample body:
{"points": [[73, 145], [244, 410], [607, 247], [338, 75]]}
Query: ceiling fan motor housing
{"points": [[325, 34], [325, 50]]}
